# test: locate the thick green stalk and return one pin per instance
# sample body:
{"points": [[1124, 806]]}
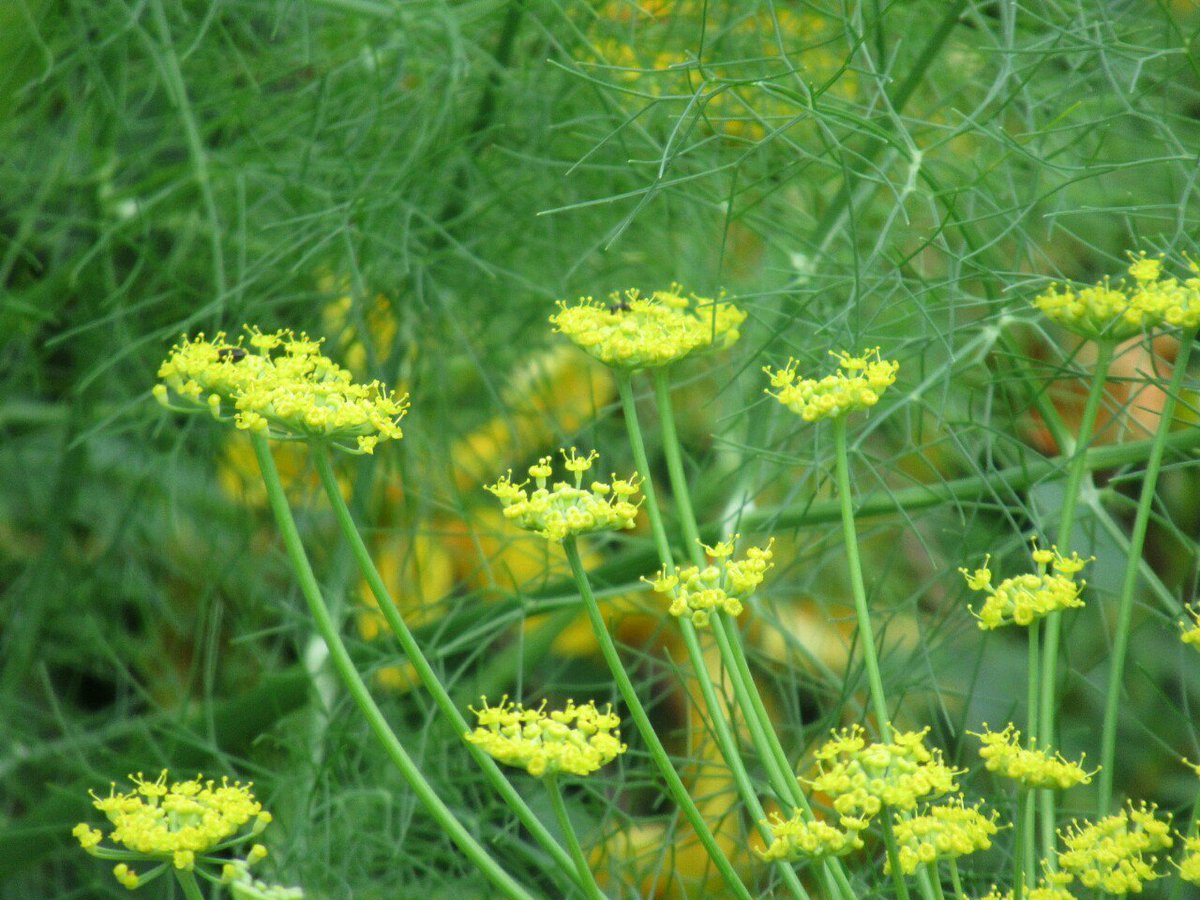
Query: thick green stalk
{"points": [[956, 880], [340, 658], [187, 881], [858, 588], [657, 752], [935, 878], [425, 672], [1076, 469], [586, 878], [893, 853], [1137, 540]]}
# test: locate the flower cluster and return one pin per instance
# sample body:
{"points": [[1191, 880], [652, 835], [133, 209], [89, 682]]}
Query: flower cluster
{"points": [[1003, 754], [1191, 631], [723, 585], [1041, 891], [577, 740], [800, 838], [1117, 313], [1024, 599], [564, 510], [1189, 866], [858, 384], [179, 824], [636, 332], [281, 385], [944, 832], [1113, 854]]}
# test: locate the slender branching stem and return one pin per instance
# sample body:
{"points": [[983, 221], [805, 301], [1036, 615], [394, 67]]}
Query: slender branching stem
{"points": [[586, 879]]}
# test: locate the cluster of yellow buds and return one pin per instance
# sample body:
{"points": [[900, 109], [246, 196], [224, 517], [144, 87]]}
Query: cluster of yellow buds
{"points": [[946, 831], [1191, 631], [279, 384], [577, 740], [1189, 866], [1024, 599], [1003, 754], [244, 886], [722, 585], [801, 838], [636, 332], [858, 384], [1117, 313], [863, 778], [1043, 890], [564, 510], [179, 824], [1113, 854]]}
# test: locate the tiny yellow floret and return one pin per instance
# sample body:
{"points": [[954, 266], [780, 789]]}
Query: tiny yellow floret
{"points": [[577, 740], [1190, 631], [723, 585], [279, 385], [946, 831], [635, 332], [1003, 754], [806, 838], [564, 510], [1105, 312], [1025, 599], [1114, 854], [859, 383]]}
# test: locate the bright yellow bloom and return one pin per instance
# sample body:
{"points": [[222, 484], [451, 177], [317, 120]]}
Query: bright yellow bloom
{"points": [[863, 778], [577, 740], [1042, 891], [800, 838], [636, 332], [296, 394], [566, 510], [723, 585], [1189, 865], [1025, 599], [1117, 313], [943, 832], [1111, 855], [858, 384], [174, 823], [1003, 754], [1191, 632]]}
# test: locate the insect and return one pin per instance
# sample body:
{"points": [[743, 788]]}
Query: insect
{"points": [[232, 354], [619, 307]]}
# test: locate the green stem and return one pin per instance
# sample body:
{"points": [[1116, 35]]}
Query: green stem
{"points": [[1137, 539], [387, 605], [187, 881], [1022, 843], [893, 853], [352, 681], [642, 463], [935, 878], [1032, 682], [657, 752], [1075, 472], [865, 633], [586, 878], [955, 880]]}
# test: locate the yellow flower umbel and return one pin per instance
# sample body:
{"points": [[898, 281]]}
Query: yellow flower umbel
{"points": [[863, 778], [280, 385], [1042, 891], [799, 838], [943, 832], [1024, 599], [566, 510], [577, 740], [1191, 631], [1113, 855], [1003, 754], [858, 384], [723, 585], [181, 825], [1105, 312], [636, 332]]}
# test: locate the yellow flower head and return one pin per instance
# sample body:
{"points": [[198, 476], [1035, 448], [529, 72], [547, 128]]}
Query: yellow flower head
{"points": [[944, 832], [1024, 599], [799, 838], [723, 585], [858, 384], [1112, 855], [564, 510], [174, 823], [1003, 754], [1117, 313], [1041, 891], [636, 332], [862, 778], [577, 740], [1191, 630], [1189, 865], [279, 384]]}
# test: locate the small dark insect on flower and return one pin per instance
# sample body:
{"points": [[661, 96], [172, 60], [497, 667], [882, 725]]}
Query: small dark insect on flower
{"points": [[233, 354], [618, 307]]}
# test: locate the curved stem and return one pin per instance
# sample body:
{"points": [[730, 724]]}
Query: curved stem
{"points": [[340, 658], [657, 752], [425, 673], [1075, 472], [586, 878], [863, 614], [1137, 540]]}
